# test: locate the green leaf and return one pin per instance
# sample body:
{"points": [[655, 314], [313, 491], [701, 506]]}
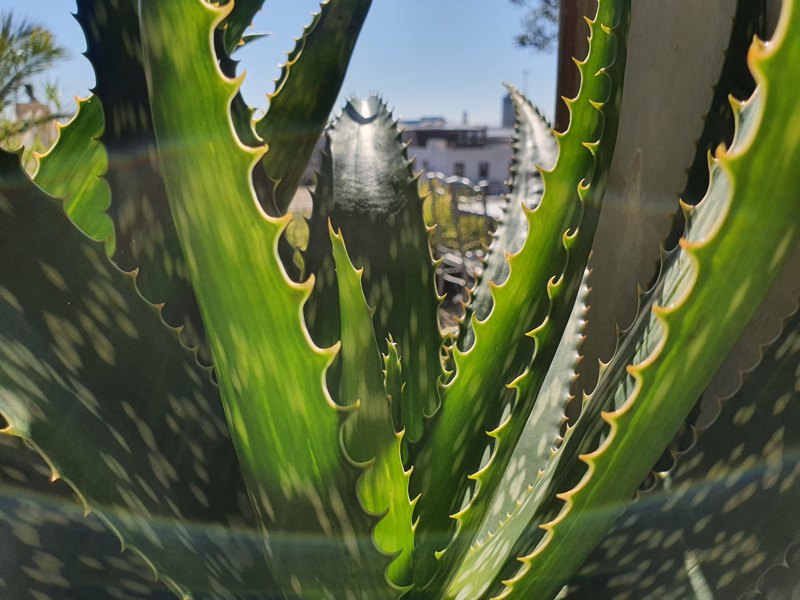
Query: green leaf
{"points": [[146, 240], [520, 531], [534, 146], [504, 368], [50, 549], [381, 219], [780, 578], [92, 378], [393, 379], [711, 506], [303, 98], [73, 169], [533, 452], [369, 436], [322, 308], [238, 21], [228, 37], [284, 424], [537, 448], [541, 433], [740, 235]]}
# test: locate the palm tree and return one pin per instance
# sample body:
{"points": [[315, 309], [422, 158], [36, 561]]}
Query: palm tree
{"points": [[26, 49]]}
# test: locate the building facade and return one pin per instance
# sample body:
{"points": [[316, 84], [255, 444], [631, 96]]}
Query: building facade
{"points": [[479, 153]]}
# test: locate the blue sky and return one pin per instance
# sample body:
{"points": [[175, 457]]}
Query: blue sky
{"points": [[427, 57]]}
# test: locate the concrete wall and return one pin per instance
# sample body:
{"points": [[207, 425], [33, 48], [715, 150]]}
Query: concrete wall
{"points": [[675, 56], [676, 52]]}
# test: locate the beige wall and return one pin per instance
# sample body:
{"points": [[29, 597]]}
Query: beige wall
{"points": [[661, 122], [675, 54]]}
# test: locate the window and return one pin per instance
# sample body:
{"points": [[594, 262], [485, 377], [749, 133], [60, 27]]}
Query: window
{"points": [[483, 170], [458, 169], [470, 137]]}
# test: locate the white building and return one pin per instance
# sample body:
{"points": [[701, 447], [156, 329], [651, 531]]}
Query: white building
{"points": [[479, 153]]}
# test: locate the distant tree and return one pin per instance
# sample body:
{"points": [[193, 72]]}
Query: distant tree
{"points": [[26, 50], [540, 24]]}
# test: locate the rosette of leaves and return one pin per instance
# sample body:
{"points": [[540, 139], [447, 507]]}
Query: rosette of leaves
{"points": [[246, 433]]}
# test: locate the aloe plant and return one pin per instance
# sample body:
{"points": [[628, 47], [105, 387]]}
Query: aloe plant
{"points": [[248, 428]]}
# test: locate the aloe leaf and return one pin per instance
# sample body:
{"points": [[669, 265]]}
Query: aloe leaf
{"points": [[284, 424], [393, 379], [542, 431], [502, 367], [369, 435], [712, 505], [146, 240], [734, 79], [228, 37], [321, 310], [241, 113], [657, 141], [781, 578], [92, 378], [237, 22], [381, 219], [534, 146], [534, 450], [740, 235], [73, 169], [520, 531], [304, 96], [49, 547]]}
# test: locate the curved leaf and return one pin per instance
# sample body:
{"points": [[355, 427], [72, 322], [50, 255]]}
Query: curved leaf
{"points": [[92, 378], [533, 452], [711, 507], [381, 220], [228, 37], [285, 426], [236, 23], [368, 434], [304, 96], [73, 169], [146, 240], [49, 548], [393, 379], [780, 578], [742, 231], [504, 368], [534, 146], [542, 431]]}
